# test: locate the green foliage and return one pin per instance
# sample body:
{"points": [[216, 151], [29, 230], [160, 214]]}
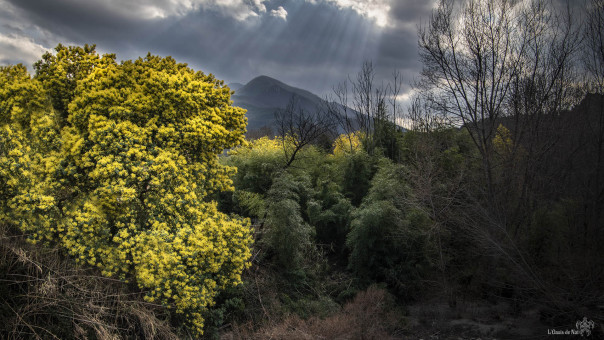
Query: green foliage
{"points": [[61, 72], [330, 214], [283, 201], [359, 168], [448, 146], [287, 234], [250, 203], [443, 172], [388, 238], [373, 224], [229, 305], [550, 240], [387, 139], [118, 171], [257, 163]]}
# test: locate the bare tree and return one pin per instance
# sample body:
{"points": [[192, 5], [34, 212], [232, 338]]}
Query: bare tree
{"points": [[492, 62], [593, 56], [374, 109], [593, 61], [544, 86], [481, 58], [469, 64], [343, 117], [422, 117], [298, 127]]}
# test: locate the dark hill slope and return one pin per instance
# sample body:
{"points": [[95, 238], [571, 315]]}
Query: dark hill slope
{"points": [[263, 95]]}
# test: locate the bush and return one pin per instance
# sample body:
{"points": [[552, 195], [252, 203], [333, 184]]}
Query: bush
{"points": [[287, 234], [44, 295], [115, 167], [359, 168], [388, 239], [329, 212], [257, 164], [368, 316]]}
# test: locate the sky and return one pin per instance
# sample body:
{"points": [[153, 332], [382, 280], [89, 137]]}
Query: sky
{"points": [[311, 44]]}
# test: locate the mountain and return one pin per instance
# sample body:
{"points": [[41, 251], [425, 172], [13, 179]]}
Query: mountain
{"points": [[270, 92], [263, 95]]}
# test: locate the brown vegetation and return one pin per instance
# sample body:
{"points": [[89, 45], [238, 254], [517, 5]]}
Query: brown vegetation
{"points": [[368, 316], [43, 295]]}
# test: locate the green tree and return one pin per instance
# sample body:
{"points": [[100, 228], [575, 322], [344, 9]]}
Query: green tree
{"points": [[60, 72], [126, 189], [28, 137], [388, 239], [359, 168], [257, 163], [329, 212], [287, 234]]}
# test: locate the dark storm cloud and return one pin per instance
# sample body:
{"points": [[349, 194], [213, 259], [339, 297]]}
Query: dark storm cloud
{"points": [[410, 12], [79, 22], [78, 19], [318, 44], [315, 48]]}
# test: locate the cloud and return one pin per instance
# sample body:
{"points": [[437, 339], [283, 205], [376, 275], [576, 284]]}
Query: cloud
{"points": [[410, 12], [239, 9], [154, 9], [15, 49], [157, 9], [377, 10], [280, 12], [316, 45]]}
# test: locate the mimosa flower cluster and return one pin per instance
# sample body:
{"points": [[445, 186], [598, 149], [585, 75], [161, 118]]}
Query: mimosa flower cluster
{"points": [[115, 163]]}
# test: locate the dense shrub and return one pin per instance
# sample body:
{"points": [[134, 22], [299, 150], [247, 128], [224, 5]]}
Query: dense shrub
{"points": [[114, 163], [359, 168], [388, 237], [287, 234], [329, 212], [44, 295], [257, 163]]}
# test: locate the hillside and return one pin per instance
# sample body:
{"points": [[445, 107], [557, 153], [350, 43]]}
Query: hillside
{"points": [[263, 95]]}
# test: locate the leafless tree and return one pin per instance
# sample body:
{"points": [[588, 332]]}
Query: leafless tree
{"points": [[593, 61], [343, 117], [492, 62], [593, 51], [299, 127], [361, 105], [469, 64], [545, 85], [485, 60], [422, 117]]}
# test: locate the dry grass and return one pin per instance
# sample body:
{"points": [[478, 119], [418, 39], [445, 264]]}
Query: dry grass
{"points": [[44, 295], [366, 317]]}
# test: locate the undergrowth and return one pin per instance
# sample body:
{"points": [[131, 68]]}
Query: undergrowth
{"points": [[44, 295]]}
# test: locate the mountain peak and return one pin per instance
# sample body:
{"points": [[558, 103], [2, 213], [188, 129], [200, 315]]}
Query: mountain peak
{"points": [[263, 85], [267, 86], [264, 79], [263, 96]]}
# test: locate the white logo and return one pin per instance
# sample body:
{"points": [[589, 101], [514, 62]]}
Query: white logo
{"points": [[585, 326]]}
